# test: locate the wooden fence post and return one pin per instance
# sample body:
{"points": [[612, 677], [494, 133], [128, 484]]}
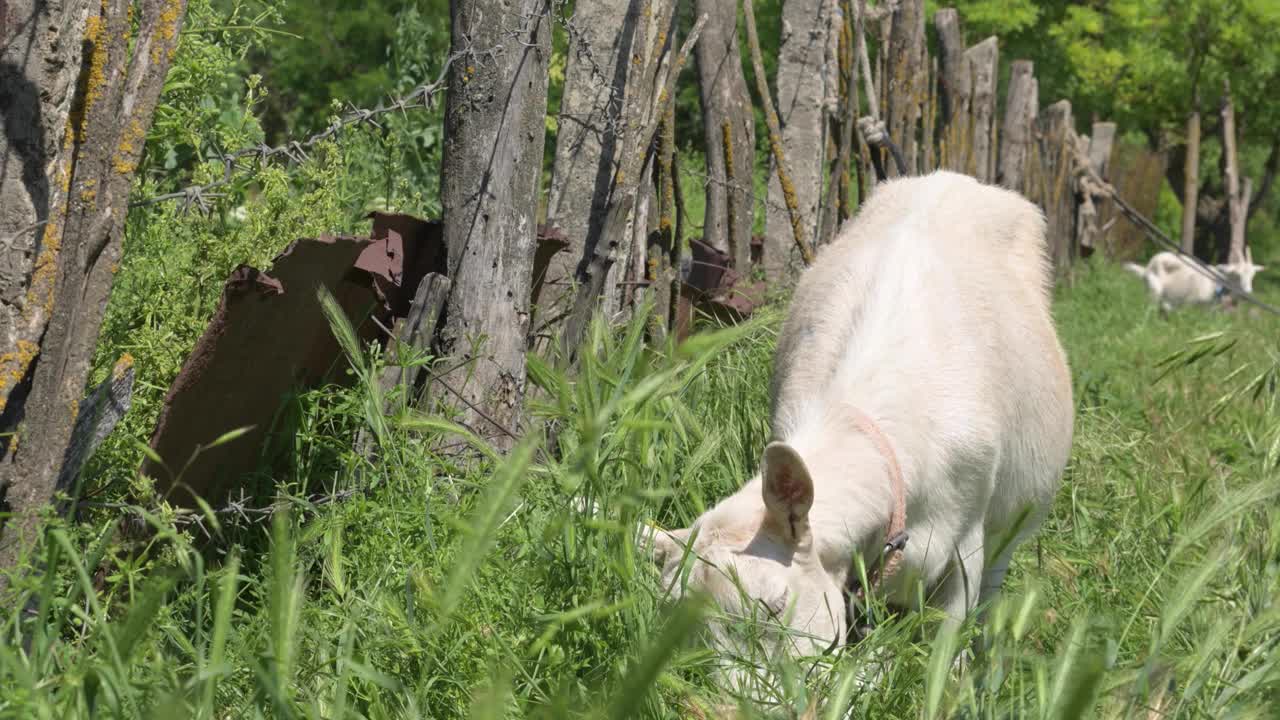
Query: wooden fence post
{"points": [[1058, 196], [1017, 142], [802, 117], [907, 74], [729, 133], [1095, 153], [983, 65], [78, 198], [1191, 181], [1100, 141], [955, 90], [494, 128]]}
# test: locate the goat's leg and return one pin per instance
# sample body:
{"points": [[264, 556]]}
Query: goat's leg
{"points": [[957, 593]]}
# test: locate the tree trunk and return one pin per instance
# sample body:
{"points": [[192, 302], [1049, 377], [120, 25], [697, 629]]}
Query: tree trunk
{"points": [[1191, 182], [81, 195], [38, 94], [1236, 208], [955, 91], [729, 133], [494, 129], [908, 78], [1240, 221], [805, 91], [983, 65], [589, 136], [1017, 142]]}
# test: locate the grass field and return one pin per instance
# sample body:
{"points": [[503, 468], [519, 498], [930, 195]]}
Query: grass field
{"points": [[1150, 592]]}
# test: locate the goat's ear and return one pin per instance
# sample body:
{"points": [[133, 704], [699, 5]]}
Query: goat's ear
{"points": [[1259, 268], [788, 490]]}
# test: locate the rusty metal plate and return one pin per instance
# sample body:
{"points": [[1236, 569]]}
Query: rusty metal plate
{"points": [[403, 250], [268, 337]]}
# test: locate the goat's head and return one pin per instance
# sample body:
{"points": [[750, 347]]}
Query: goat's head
{"points": [[1241, 274], [760, 566]]}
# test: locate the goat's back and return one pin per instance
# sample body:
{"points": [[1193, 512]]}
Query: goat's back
{"points": [[920, 249]]}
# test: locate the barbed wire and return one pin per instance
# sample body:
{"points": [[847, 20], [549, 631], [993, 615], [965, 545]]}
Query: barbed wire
{"points": [[237, 511], [421, 97]]}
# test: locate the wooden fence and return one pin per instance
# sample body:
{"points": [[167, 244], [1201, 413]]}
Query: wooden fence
{"points": [[950, 111]]}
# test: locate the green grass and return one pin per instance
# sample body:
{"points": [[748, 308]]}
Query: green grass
{"points": [[485, 593]]}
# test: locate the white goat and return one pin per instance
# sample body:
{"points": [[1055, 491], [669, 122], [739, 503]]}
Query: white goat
{"points": [[1172, 281], [921, 338]]}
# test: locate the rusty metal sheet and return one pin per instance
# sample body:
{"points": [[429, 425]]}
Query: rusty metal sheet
{"points": [[715, 289], [267, 337], [403, 250], [710, 270], [743, 298], [551, 240]]}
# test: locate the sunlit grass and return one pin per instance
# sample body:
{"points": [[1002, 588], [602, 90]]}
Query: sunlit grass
{"points": [[493, 590]]}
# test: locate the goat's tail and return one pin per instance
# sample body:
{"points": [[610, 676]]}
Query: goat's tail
{"points": [[1136, 269]]}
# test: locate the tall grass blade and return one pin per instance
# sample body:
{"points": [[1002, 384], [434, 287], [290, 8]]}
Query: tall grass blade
{"points": [[629, 699], [484, 524]]}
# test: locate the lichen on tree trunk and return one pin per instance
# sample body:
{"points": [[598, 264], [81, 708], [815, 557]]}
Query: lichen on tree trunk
{"points": [[806, 89], [119, 80], [41, 76], [494, 134], [728, 133]]}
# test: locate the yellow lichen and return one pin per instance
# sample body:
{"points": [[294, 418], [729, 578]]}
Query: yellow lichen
{"points": [[122, 366], [13, 366], [166, 38], [660, 43], [88, 194], [125, 160], [43, 274], [97, 78]]}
